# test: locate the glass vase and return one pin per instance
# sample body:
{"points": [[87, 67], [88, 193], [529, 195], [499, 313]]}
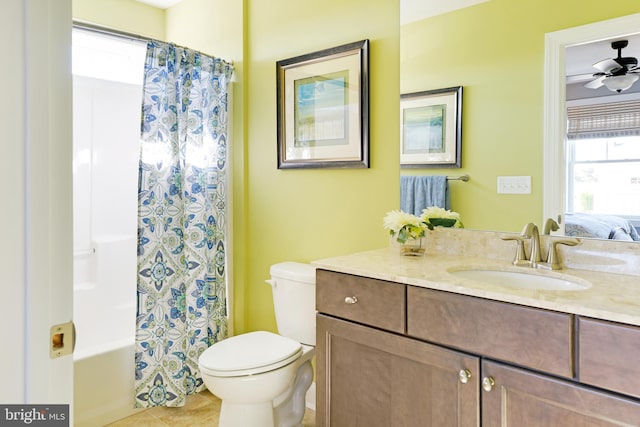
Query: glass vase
{"points": [[413, 247]]}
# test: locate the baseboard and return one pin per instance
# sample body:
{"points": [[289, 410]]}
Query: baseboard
{"points": [[310, 399]]}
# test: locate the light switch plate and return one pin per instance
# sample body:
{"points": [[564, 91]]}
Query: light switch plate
{"points": [[514, 185]]}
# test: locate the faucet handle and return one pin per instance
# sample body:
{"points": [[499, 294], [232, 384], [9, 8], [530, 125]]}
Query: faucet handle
{"points": [[520, 259], [552, 259]]}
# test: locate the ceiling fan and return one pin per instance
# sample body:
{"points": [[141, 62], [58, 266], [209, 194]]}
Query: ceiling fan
{"points": [[617, 74]]}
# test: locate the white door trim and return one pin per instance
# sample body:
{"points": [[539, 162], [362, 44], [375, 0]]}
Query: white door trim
{"points": [[36, 211], [554, 177], [49, 211]]}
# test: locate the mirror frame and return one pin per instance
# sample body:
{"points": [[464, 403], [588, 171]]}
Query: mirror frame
{"points": [[554, 177]]}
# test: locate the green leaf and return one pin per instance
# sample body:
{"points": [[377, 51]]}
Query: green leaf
{"points": [[402, 235]]}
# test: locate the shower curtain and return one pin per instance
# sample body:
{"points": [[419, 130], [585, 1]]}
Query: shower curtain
{"points": [[182, 212]]}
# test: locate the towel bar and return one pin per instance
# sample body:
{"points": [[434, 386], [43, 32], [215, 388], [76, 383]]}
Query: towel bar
{"points": [[464, 178]]}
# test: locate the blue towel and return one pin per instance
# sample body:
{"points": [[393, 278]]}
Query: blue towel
{"points": [[420, 192]]}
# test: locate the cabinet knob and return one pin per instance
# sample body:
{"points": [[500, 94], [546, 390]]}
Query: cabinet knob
{"points": [[351, 300], [488, 383], [464, 376]]}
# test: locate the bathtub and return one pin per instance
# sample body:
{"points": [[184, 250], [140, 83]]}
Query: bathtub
{"points": [[104, 315]]}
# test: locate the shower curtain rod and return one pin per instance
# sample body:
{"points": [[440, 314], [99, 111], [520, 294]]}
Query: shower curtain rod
{"points": [[128, 36], [109, 31]]}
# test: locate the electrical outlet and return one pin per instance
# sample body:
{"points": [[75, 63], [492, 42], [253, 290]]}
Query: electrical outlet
{"points": [[514, 185]]}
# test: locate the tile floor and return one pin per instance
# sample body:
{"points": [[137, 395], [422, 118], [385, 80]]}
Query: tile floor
{"points": [[201, 409]]}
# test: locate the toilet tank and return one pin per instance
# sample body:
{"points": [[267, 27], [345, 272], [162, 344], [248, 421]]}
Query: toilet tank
{"points": [[294, 300]]}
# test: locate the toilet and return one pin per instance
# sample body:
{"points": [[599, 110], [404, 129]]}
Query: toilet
{"points": [[261, 377]]}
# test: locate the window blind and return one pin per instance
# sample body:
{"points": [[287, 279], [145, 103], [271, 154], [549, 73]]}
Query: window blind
{"points": [[604, 120]]}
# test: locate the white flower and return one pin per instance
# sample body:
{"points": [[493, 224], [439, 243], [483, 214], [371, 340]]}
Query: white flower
{"points": [[395, 220], [405, 225]]}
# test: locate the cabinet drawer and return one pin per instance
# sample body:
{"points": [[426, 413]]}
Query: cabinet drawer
{"points": [[608, 354], [530, 337], [370, 301]]}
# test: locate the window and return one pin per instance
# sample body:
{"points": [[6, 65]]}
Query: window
{"points": [[604, 176], [603, 159], [108, 57]]}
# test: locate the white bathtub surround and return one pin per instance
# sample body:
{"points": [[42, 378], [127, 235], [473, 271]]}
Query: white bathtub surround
{"points": [[105, 171], [104, 304], [103, 386]]}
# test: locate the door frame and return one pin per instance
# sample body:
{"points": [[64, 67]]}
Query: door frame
{"points": [[37, 208]]}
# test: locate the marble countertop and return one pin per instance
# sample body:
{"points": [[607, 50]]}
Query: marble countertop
{"points": [[609, 296]]}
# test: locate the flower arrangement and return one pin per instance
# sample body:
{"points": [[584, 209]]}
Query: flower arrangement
{"points": [[441, 217], [405, 226]]}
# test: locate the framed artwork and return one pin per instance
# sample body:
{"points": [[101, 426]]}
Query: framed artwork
{"points": [[323, 108], [431, 128]]}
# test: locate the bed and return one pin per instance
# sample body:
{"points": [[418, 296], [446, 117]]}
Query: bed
{"points": [[600, 227]]}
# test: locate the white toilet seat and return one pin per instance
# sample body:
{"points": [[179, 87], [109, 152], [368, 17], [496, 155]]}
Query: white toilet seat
{"points": [[249, 354]]}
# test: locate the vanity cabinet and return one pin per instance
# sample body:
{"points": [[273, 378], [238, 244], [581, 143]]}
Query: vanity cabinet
{"points": [[420, 357], [369, 374], [366, 377]]}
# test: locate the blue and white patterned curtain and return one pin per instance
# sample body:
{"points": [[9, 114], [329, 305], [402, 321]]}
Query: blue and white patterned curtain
{"points": [[182, 214]]}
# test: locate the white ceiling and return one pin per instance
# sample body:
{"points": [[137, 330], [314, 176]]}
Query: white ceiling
{"points": [[410, 10], [580, 59]]}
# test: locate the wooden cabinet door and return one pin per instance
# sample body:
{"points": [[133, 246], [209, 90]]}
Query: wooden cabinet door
{"points": [[369, 378], [521, 398]]}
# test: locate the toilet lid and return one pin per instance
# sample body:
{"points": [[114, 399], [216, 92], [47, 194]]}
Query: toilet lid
{"points": [[249, 353]]}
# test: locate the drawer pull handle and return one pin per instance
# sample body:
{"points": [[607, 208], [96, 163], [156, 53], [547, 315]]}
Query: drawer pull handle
{"points": [[464, 376], [488, 383], [351, 300]]}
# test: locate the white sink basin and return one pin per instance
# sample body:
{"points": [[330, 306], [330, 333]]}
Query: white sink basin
{"points": [[523, 280]]}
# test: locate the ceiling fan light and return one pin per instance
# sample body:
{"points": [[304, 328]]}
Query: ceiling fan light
{"points": [[620, 83]]}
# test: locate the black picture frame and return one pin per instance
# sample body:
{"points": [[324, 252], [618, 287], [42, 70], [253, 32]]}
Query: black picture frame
{"points": [[323, 108], [431, 129]]}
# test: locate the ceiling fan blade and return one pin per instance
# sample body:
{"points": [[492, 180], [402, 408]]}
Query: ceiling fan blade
{"points": [[607, 65], [595, 84], [578, 78]]}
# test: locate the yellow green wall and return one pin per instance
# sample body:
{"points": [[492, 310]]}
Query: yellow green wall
{"points": [[302, 215], [297, 215], [124, 15], [495, 50]]}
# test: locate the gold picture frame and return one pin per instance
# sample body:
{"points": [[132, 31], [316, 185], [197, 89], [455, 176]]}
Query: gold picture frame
{"points": [[431, 129], [323, 108]]}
